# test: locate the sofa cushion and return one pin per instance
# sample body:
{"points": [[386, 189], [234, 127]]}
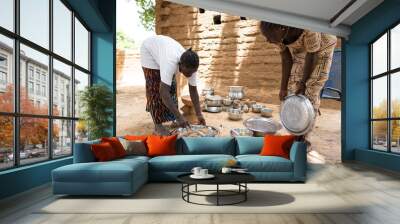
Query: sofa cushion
{"points": [[161, 145], [249, 145], [206, 145], [185, 163], [112, 171], [257, 163]]}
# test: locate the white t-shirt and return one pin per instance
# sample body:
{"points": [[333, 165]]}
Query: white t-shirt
{"points": [[163, 53]]}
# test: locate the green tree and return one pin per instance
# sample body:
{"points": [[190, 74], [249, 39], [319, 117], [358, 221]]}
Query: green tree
{"points": [[147, 13], [97, 104], [123, 41]]}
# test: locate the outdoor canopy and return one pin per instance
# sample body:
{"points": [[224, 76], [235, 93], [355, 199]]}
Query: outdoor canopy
{"points": [[327, 16]]}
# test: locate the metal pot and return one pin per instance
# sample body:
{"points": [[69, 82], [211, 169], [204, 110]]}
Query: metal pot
{"points": [[236, 95], [213, 109], [237, 132], [236, 88], [256, 108], [235, 114], [214, 101], [266, 112], [207, 92]]}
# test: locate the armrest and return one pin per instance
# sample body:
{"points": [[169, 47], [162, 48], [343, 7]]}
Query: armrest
{"points": [[83, 152], [298, 155]]}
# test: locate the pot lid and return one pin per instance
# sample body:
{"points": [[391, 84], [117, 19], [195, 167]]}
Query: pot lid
{"points": [[297, 114], [213, 97]]}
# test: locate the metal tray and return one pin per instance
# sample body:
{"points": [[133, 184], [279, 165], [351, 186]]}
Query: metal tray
{"points": [[262, 125], [197, 131], [297, 114]]}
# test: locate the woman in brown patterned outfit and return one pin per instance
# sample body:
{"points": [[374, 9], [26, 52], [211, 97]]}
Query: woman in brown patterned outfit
{"points": [[306, 60]]}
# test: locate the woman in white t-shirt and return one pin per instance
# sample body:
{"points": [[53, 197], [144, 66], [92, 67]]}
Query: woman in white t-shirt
{"points": [[162, 58]]}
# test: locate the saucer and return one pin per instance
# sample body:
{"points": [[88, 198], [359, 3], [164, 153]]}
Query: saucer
{"points": [[208, 176]]}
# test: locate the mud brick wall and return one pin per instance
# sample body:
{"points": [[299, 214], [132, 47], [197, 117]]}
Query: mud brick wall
{"points": [[231, 53]]}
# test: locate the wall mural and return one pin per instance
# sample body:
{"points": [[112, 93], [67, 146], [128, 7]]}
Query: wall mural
{"points": [[238, 78]]}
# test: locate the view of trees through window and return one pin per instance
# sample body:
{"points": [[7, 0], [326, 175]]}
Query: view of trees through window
{"points": [[385, 92], [41, 82]]}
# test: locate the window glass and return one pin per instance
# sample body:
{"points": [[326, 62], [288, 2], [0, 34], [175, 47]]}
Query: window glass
{"points": [[379, 98], [81, 45], [62, 138], [33, 140], [395, 47], [34, 21], [62, 89], [81, 131], [62, 29], [7, 14], [38, 62], [379, 56], [395, 136], [395, 94], [6, 74], [379, 135], [81, 82], [6, 142]]}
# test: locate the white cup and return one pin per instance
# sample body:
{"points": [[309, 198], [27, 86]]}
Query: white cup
{"points": [[203, 172], [196, 171], [226, 170]]}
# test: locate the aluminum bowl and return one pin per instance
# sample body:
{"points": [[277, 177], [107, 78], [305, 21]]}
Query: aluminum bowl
{"points": [[213, 109], [235, 114], [227, 101], [297, 114], [266, 112], [237, 132], [256, 108]]}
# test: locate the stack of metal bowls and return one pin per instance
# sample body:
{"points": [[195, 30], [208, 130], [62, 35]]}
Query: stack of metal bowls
{"points": [[236, 92], [213, 104], [240, 132]]}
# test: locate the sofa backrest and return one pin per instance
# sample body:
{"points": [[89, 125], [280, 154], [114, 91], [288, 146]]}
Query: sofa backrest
{"points": [[83, 152], [206, 145], [249, 145]]}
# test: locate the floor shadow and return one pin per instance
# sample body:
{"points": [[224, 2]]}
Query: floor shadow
{"points": [[255, 198]]}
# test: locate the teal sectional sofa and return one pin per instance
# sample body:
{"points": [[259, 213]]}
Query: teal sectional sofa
{"points": [[125, 176]]}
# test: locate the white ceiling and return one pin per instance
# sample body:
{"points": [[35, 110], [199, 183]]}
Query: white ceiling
{"points": [[318, 15]]}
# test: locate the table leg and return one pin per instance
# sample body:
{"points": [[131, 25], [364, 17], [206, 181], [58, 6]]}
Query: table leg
{"points": [[245, 193], [196, 187], [217, 194]]}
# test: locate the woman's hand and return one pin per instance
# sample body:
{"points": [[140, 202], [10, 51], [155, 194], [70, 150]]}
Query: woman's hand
{"points": [[283, 94], [201, 120], [182, 122]]}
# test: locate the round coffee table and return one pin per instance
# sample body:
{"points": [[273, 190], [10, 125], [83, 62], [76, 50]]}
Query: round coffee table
{"points": [[238, 179]]}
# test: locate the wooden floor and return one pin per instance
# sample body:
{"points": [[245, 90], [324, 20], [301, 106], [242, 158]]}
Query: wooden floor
{"points": [[379, 189]]}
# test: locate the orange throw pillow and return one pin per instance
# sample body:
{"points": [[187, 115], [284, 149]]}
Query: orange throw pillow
{"points": [[136, 137], [277, 145], [161, 145], [116, 145], [103, 152]]}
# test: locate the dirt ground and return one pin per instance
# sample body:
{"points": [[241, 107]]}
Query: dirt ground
{"points": [[133, 119]]}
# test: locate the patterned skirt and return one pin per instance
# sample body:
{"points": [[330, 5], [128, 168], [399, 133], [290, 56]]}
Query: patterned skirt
{"points": [[159, 112]]}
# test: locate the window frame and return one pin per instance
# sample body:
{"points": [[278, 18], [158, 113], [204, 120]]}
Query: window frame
{"points": [[16, 114], [388, 74]]}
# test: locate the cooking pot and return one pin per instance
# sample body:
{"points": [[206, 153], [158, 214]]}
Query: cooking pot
{"points": [[235, 114], [214, 101]]}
